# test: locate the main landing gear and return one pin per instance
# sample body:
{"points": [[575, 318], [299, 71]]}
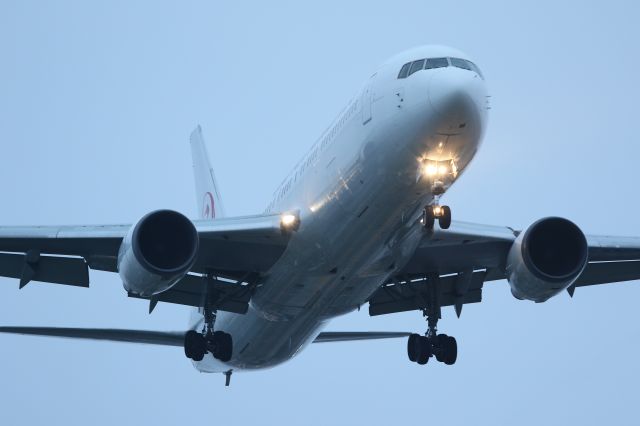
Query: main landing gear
{"points": [[219, 343], [420, 348], [444, 348]]}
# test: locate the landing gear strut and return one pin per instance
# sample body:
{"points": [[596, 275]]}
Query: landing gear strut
{"points": [[444, 348], [219, 343]]}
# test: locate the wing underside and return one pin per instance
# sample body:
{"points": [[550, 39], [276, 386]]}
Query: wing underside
{"points": [[233, 254], [450, 267]]}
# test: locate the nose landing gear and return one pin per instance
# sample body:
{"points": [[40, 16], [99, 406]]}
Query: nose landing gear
{"points": [[436, 211]]}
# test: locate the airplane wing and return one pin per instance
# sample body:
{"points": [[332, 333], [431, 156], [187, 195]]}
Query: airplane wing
{"points": [[464, 257], [235, 250], [175, 338]]}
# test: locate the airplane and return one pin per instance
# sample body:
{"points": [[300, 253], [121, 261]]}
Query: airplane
{"points": [[357, 221]]}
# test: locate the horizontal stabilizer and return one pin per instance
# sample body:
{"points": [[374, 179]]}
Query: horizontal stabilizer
{"points": [[166, 338], [350, 336], [175, 338]]}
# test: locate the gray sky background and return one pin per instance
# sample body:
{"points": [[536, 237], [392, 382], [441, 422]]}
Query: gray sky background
{"points": [[97, 100]]}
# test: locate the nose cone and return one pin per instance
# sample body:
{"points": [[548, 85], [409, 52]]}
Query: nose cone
{"points": [[457, 91]]}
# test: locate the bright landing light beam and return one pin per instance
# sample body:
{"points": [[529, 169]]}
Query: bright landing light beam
{"points": [[289, 222]]}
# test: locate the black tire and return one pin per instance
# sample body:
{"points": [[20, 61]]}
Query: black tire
{"points": [[425, 350], [413, 347], [441, 344], [445, 220], [188, 351], [223, 344], [428, 218], [451, 352], [195, 346]]}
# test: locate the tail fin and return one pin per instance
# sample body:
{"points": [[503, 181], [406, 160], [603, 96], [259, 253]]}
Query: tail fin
{"points": [[207, 194]]}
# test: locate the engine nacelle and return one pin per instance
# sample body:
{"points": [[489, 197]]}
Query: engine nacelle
{"points": [[157, 252], [546, 258]]}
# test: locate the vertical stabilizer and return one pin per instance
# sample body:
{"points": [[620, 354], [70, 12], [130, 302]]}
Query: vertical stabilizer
{"points": [[207, 194]]}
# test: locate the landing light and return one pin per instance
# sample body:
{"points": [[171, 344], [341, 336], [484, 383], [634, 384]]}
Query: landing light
{"points": [[433, 168], [430, 169], [289, 222]]}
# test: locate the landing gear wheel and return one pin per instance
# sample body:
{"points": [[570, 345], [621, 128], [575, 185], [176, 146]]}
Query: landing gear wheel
{"points": [[195, 345], [222, 346], [451, 351], [425, 351], [428, 218], [413, 347], [445, 219], [440, 343]]}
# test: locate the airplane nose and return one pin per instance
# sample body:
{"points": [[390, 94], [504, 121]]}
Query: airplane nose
{"points": [[453, 90]]}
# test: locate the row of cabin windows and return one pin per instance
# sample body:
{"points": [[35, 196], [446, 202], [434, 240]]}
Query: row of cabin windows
{"points": [[431, 63]]}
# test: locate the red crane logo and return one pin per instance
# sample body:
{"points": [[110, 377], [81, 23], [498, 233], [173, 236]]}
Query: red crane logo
{"points": [[209, 206]]}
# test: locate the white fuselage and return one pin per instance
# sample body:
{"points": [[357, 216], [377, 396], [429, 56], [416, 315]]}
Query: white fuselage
{"points": [[360, 192]]}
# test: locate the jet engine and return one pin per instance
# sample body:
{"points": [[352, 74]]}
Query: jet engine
{"points": [[157, 252], [546, 258]]}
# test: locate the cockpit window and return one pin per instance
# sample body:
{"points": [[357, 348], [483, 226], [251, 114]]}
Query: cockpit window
{"points": [[467, 65], [475, 68], [416, 66], [431, 63], [404, 70], [437, 63], [461, 63]]}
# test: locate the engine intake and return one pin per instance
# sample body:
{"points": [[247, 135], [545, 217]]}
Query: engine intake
{"points": [[546, 258], [157, 252]]}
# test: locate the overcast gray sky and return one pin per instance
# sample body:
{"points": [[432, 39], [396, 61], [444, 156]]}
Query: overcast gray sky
{"points": [[97, 100]]}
